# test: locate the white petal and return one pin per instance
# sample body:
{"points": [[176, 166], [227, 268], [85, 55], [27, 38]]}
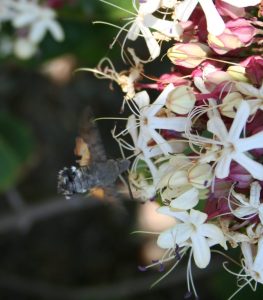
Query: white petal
{"points": [[149, 6], [160, 101], [247, 253], [223, 166], [183, 233], [184, 9], [215, 24], [134, 31], [213, 233], [161, 142], [258, 266], [239, 121], [175, 123], [37, 32], [166, 239], [197, 217], [165, 210], [242, 212], [151, 42], [260, 213], [254, 198], [187, 200], [142, 99], [201, 250], [168, 28], [253, 142], [55, 30], [24, 20], [253, 167], [217, 127], [242, 3]]}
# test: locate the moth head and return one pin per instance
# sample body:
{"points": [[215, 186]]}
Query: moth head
{"points": [[70, 181]]}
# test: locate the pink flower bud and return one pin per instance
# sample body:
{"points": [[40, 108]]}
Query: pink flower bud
{"points": [[254, 69], [238, 33], [226, 9], [188, 55]]}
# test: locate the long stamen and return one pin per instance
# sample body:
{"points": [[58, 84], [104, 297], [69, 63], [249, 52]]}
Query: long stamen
{"points": [[119, 7]]}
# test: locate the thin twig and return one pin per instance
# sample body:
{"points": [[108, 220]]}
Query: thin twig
{"points": [[25, 217]]}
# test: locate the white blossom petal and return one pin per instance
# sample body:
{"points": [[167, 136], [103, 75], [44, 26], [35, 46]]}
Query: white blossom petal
{"points": [[152, 44], [260, 213], [175, 123], [161, 142], [215, 24], [201, 250], [160, 101], [165, 210], [37, 32], [214, 233], [55, 30], [184, 9], [253, 167], [166, 239], [239, 121], [187, 200], [253, 142], [258, 266], [149, 6], [142, 99], [197, 217], [223, 166], [242, 212], [254, 198], [168, 28], [217, 127]]}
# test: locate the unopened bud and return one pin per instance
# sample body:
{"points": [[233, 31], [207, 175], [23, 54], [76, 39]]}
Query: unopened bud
{"points": [[200, 176], [231, 104], [238, 73], [188, 55], [181, 100]]}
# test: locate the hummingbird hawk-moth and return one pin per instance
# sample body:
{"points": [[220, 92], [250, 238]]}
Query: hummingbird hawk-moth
{"points": [[94, 170]]}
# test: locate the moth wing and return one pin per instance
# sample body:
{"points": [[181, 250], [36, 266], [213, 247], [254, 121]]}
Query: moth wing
{"points": [[89, 132]]}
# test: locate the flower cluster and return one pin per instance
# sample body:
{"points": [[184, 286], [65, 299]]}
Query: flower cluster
{"points": [[31, 20], [197, 148]]}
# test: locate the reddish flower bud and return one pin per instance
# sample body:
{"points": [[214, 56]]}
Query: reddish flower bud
{"points": [[254, 69], [238, 33]]}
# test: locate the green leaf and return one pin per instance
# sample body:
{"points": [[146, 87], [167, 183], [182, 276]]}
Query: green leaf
{"points": [[16, 146]]}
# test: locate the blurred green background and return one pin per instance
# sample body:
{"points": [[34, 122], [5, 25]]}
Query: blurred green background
{"points": [[78, 249]]}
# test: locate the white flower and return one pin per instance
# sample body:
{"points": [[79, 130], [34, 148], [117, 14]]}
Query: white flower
{"points": [[255, 95], [149, 122], [234, 147], [191, 232], [186, 200], [253, 264], [248, 208], [141, 188], [143, 22], [215, 23], [38, 19]]}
